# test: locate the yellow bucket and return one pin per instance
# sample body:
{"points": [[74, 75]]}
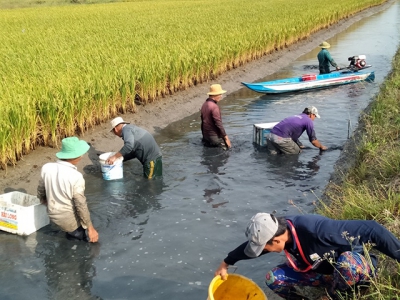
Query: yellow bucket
{"points": [[236, 287]]}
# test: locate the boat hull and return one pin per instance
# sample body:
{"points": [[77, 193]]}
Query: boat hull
{"points": [[299, 84]]}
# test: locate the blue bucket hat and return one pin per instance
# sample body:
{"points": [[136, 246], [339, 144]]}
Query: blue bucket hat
{"points": [[72, 148]]}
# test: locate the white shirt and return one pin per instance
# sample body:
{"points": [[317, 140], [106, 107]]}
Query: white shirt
{"points": [[63, 186]]}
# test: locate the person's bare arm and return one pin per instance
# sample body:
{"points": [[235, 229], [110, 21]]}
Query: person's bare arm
{"points": [[222, 270], [317, 144]]}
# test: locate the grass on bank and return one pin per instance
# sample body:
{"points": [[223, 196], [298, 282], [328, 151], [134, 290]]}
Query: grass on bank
{"points": [[371, 188], [65, 69]]}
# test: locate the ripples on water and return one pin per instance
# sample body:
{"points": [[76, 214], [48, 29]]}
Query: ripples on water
{"points": [[165, 238]]}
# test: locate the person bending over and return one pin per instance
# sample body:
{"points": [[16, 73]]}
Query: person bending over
{"points": [[284, 136], [320, 252], [140, 144]]}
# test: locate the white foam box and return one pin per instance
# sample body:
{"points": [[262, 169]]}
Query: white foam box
{"points": [[260, 132], [22, 213]]}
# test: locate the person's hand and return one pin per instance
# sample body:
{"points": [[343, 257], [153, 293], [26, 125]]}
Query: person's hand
{"points": [[337, 68], [302, 147], [222, 271], [93, 235], [227, 142], [111, 160], [323, 148]]}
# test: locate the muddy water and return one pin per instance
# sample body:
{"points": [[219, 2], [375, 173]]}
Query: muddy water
{"points": [[163, 239]]}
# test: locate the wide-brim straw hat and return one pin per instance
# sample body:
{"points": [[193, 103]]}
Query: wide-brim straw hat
{"points": [[216, 89], [117, 121], [325, 45], [72, 148]]}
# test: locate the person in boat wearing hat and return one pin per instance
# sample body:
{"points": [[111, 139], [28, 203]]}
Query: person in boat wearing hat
{"points": [[138, 143], [325, 59], [320, 252], [284, 136], [61, 187], [213, 131]]}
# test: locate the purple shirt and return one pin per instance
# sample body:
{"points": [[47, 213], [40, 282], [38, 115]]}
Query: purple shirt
{"points": [[211, 122], [294, 126]]}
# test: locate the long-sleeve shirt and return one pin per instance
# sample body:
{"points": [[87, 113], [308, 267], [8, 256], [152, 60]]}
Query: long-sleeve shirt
{"points": [[63, 187], [140, 144], [294, 126], [324, 59], [322, 238], [211, 121]]}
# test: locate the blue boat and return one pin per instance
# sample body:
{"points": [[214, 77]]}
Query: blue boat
{"points": [[310, 81]]}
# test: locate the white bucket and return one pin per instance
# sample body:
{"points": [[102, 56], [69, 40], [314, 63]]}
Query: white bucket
{"points": [[114, 171]]}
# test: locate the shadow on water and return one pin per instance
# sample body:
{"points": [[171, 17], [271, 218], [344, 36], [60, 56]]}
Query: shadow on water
{"points": [[163, 239], [290, 170], [93, 155], [214, 159], [69, 267]]}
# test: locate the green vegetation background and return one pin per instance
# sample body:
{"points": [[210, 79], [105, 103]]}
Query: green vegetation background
{"points": [[13, 4], [369, 190], [67, 68]]}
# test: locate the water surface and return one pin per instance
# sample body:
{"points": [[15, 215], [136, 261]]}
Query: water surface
{"points": [[163, 239]]}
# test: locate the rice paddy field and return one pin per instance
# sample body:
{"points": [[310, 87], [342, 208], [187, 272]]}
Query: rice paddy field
{"points": [[67, 68]]}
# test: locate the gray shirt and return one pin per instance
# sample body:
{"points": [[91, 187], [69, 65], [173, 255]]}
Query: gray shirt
{"points": [[139, 143]]}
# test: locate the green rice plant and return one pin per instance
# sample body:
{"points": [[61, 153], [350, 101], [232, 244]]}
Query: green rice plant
{"points": [[5, 148], [82, 65]]}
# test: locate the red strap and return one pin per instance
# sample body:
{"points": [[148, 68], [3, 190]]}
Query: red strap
{"points": [[289, 257]]}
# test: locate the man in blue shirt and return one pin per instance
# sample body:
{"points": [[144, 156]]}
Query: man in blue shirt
{"points": [[325, 59], [284, 136], [321, 252]]}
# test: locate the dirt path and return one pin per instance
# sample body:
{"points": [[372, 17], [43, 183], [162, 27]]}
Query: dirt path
{"points": [[25, 175]]}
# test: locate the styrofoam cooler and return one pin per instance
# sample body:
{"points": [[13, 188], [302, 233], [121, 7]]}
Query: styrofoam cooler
{"points": [[260, 132], [22, 213]]}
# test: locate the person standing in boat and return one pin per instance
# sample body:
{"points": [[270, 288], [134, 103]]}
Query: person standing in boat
{"points": [[320, 252], [284, 136], [213, 131], [325, 59]]}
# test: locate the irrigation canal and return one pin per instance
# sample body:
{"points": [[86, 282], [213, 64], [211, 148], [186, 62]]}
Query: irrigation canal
{"points": [[163, 239]]}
